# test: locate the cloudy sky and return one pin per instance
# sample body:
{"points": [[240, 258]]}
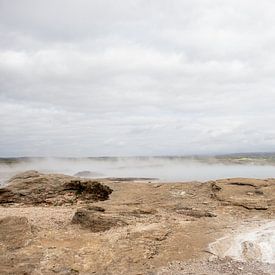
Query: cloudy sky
{"points": [[136, 77]]}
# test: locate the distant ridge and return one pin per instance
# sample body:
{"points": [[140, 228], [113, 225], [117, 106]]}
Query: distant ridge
{"points": [[262, 157]]}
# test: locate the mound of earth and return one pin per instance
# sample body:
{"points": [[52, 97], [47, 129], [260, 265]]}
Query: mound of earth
{"points": [[33, 188]]}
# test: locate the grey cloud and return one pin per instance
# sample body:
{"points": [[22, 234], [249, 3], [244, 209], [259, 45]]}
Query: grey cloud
{"points": [[136, 77]]}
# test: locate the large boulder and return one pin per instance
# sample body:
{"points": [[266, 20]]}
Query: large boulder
{"points": [[32, 188]]}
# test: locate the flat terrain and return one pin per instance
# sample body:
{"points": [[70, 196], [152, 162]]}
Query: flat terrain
{"points": [[143, 228]]}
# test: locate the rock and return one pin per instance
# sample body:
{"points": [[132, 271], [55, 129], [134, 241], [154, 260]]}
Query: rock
{"points": [[87, 174], [90, 190], [65, 271], [25, 175], [35, 188], [94, 221], [196, 213], [157, 185], [143, 212], [15, 232], [138, 212], [248, 193], [95, 208]]}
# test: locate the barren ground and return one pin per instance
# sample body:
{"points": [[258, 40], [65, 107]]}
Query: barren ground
{"points": [[162, 229]]}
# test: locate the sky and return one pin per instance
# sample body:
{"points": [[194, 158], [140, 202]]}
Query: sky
{"points": [[136, 77]]}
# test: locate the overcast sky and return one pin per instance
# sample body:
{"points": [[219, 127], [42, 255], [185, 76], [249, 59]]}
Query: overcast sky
{"points": [[136, 77]]}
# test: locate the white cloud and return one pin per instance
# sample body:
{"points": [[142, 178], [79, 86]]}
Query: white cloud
{"points": [[136, 77]]}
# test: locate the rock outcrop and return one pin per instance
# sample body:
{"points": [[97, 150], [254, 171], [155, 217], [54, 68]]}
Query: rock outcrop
{"points": [[33, 188], [248, 193]]}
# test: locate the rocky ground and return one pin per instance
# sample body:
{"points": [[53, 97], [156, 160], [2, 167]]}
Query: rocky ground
{"points": [[56, 224]]}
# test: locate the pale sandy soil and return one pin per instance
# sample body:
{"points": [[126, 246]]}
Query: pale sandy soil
{"points": [[169, 229]]}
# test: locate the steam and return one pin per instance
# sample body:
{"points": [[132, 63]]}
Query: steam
{"points": [[165, 169]]}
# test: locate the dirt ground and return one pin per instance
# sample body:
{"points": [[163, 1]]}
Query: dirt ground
{"points": [[163, 228]]}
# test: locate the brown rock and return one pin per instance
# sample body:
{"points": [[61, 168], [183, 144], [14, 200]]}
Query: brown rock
{"points": [[94, 221], [196, 213], [34, 188], [95, 208], [90, 190], [248, 193]]}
